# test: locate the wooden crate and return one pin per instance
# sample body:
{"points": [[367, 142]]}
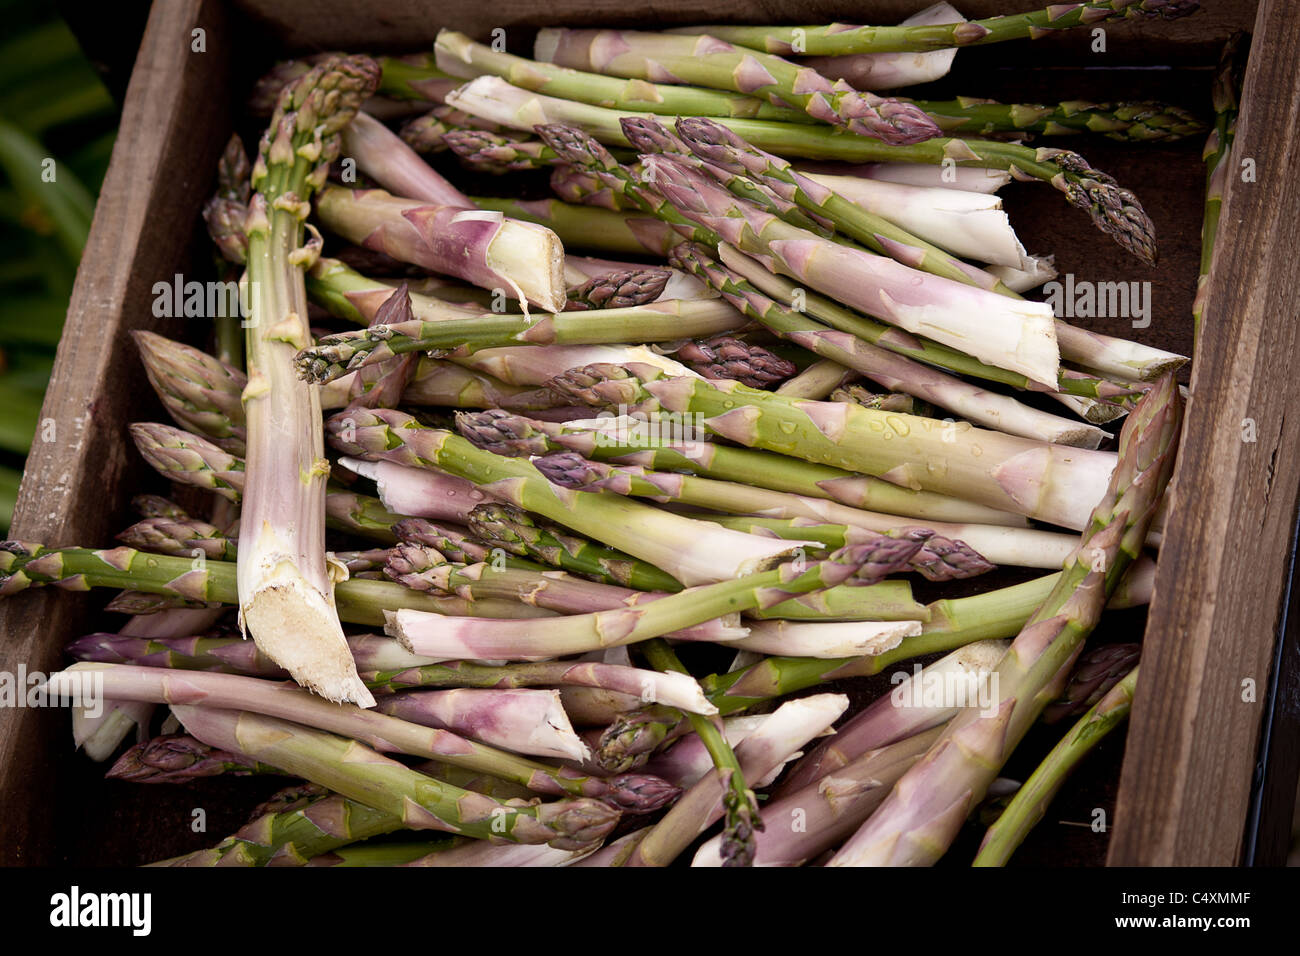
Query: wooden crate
{"points": [[1188, 792]]}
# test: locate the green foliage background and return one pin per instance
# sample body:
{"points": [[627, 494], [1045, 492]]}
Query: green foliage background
{"points": [[52, 107]]}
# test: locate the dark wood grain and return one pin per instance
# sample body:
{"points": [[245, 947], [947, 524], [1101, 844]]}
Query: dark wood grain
{"points": [[1225, 561]]}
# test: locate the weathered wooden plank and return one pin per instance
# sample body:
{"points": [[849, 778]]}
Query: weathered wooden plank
{"points": [[67, 495], [1225, 562]]}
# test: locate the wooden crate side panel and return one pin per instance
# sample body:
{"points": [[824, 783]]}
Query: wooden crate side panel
{"points": [[142, 232], [1225, 562]]}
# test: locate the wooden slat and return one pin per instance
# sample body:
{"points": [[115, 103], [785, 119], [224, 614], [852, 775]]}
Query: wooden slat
{"points": [[68, 491], [412, 23], [1225, 563]]}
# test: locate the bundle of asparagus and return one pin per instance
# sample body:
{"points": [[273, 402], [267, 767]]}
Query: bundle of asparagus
{"points": [[728, 446]]}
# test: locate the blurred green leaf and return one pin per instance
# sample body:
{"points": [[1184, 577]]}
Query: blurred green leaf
{"points": [[9, 478], [66, 202]]}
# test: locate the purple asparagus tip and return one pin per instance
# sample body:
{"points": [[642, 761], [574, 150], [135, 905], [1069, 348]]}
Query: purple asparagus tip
{"points": [[640, 792]]}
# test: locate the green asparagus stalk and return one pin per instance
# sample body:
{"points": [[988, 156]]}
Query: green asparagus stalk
{"points": [[723, 149], [183, 537], [884, 401], [970, 402], [951, 623], [24, 565], [1030, 802], [920, 818], [1043, 481], [839, 39], [335, 355], [356, 771], [1115, 211], [650, 534], [706, 61], [1131, 121], [740, 806], [423, 568], [831, 313], [829, 809], [632, 441], [227, 654], [586, 226], [1217, 155], [285, 589], [228, 694], [460, 56], [817, 381], [939, 558], [1015, 335], [477, 638], [514, 530]]}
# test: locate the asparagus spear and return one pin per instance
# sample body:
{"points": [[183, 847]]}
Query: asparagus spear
{"points": [[200, 393], [655, 536], [186, 537], [784, 732], [586, 226], [335, 355], [829, 809], [229, 694], [474, 638], [423, 568], [919, 819], [523, 721], [179, 758], [838, 38], [514, 530], [285, 589], [1217, 155], [887, 71], [460, 56], [619, 290], [1097, 671], [720, 148], [427, 132], [481, 247], [727, 357], [706, 61], [942, 555], [951, 623], [24, 565], [191, 460], [228, 654], [1137, 361], [1017, 336], [817, 381], [1132, 121], [386, 158], [1115, 211], [1030, 802], [975, 404], [635, 442], [903, 712], [1040, 480], [420, 802]]}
